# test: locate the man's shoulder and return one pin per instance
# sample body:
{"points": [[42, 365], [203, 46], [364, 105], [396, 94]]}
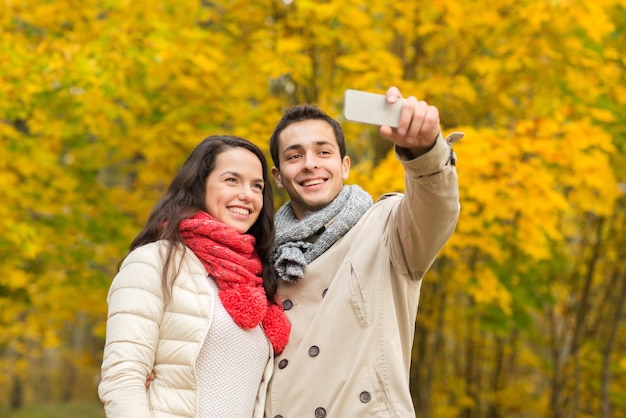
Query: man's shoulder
{"points": [[381, 208], [389, 195]]}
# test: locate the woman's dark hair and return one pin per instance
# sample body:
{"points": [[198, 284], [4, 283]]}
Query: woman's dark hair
{"points": [[301, 113], [186, 196]]}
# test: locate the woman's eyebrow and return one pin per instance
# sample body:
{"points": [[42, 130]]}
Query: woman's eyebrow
{"points": [[238, 175]]}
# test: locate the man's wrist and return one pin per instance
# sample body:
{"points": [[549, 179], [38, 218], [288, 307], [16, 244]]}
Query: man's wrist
{"points": [[432, 162], [414, 152], [411, 153]]}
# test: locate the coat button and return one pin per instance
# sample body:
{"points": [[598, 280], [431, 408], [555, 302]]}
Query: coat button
{"points": [[283, 363], [287, 304], [365, 397], [320, 412], [324, 292], [314, 350]]}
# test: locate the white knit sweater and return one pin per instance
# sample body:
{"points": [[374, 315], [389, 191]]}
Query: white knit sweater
{"points": [[230, 366]]}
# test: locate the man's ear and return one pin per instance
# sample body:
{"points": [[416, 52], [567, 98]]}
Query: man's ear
{"points": [[346, 167], [276, 174]]}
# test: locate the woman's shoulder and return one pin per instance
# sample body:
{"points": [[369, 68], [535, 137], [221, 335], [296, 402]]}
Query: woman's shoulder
{"points": [[153, 252], [154, 255]]}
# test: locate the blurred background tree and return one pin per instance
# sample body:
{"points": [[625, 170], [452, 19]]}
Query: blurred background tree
{"points": [[523, 313]]}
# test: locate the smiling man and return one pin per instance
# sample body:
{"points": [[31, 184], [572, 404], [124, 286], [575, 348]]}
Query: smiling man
{"points": [[352, 269], [312, 166]]}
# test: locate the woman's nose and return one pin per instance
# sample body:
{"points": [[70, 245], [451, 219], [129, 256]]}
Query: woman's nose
{"points": [[245, 193]]}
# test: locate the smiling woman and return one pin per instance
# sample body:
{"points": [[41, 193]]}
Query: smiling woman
{"points": [[194, 300], [234, 189]]}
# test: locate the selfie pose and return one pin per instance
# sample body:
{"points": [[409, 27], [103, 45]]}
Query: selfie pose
{"points": [[195, 300], [351, 269]]}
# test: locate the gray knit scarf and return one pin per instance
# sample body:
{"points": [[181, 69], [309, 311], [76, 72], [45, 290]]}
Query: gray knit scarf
{"points": [[292, 248]]}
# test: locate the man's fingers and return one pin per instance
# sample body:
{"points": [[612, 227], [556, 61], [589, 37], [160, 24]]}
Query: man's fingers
{"points": [[406, 115], [393, 94], [430, 126], [387, 132], [418, 125], [417, 121], [149, 379]]}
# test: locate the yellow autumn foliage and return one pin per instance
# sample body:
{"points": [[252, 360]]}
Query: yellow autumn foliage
{"points": [[102, 101]]}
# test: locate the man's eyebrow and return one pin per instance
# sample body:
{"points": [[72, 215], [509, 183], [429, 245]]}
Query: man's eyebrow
{"points": [[319, 143], [292, 147], [325, 142]]}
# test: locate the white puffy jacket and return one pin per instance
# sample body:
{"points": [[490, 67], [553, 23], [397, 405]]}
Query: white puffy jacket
{"points": [[144, 335]]}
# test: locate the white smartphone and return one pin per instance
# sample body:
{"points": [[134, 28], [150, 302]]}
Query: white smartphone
{"points": [[371, 108]]}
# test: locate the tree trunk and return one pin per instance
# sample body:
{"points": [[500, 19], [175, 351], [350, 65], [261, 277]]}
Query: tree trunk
{"points": [[608, 349], [16, 400]]}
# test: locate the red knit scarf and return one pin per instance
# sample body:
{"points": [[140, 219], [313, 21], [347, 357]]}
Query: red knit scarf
{"points": [[230, 259]]}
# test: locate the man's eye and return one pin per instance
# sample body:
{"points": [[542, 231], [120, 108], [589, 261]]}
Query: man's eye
{"points": [[293, 156]]}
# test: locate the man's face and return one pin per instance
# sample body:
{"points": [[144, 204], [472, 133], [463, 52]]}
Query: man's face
{"points": [[311, 168]]}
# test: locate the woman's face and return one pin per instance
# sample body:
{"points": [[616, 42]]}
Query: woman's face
{"points": [[234, 189]]}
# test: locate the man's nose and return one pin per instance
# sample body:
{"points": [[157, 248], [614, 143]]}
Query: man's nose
{"points": [[310, 162]]}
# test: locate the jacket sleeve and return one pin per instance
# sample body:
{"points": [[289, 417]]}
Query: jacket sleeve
{"points": [[135, 304], [426, 215]]}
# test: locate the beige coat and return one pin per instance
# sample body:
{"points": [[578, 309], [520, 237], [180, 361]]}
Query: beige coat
{"points": [[353, 314], [143, 335]]}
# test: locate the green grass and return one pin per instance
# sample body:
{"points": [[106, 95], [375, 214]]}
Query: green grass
{"points": [[66, 410]]}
